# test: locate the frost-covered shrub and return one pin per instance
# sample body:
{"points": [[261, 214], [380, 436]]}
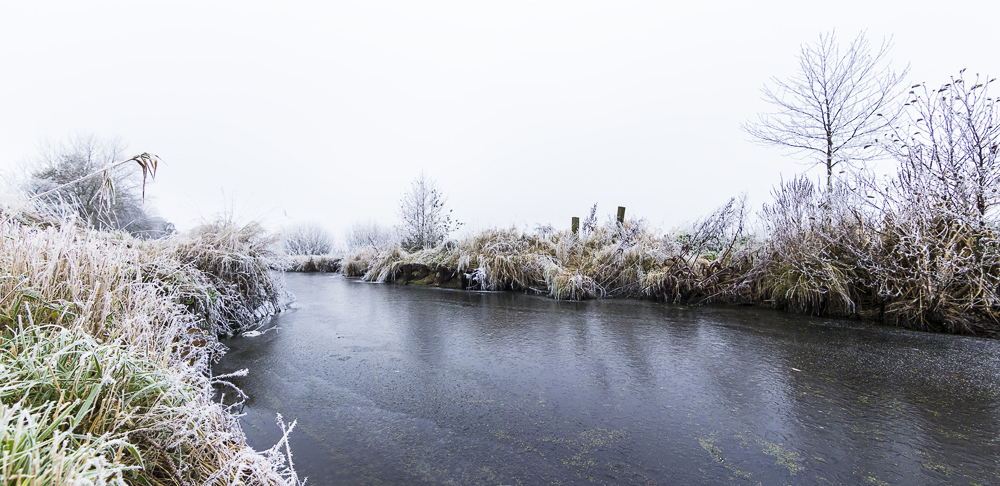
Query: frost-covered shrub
{"points": [[930, 236], [810, 260], [424, 221], [307, 239]]}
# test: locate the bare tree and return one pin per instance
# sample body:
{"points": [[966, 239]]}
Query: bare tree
{"points": [[368, 234], [834, 107], [307, 239], [425, 222]]}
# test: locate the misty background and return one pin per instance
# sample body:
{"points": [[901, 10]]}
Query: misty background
{"points": [[524, 112]]}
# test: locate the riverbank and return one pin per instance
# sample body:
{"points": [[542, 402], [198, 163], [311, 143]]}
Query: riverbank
{"points": [[106, 343], [944, 280]]}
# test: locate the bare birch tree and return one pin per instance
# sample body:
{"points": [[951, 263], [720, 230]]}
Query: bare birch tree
{"points": [[425, 222], [834, 107]]}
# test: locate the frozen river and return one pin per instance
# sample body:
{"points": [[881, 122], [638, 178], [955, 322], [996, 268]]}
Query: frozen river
{"points": [[406, 385]]}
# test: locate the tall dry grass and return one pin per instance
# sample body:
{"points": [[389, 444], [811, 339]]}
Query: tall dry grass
{"points": [[810, 262], [105, 354], [238, 262], [903, 262], [936, 273], [314, 263]]}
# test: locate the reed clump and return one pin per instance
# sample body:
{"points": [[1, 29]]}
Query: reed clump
{"points": [[932, 274], [357, 263], [238, 261], [503, 259], [567, 285], [106, 343], [384, 264], [810, 261], [938, 274]]}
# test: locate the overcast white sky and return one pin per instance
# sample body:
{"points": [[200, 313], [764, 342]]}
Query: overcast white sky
{"points": [[524, 111]]}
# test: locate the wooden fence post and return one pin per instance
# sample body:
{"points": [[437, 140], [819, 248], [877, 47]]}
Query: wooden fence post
{"points": [[621, 214], [576, 225]]}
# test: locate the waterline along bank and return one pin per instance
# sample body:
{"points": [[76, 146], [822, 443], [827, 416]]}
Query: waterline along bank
{"points": [[106, 343]]}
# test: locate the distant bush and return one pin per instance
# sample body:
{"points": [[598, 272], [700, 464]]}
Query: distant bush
{"points": [[307, 239], [314, 263], [368, 234]]}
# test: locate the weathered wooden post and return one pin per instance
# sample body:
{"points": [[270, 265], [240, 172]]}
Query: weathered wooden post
{"points": [[576, 225], [621, 215]]}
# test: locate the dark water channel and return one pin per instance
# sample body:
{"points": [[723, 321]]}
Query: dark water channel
{"points": [[401, 385]]}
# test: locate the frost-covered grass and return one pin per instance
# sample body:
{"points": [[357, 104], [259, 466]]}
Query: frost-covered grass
{"points": [[358, 263], [818, 253], [105, 347], [624, 260], [314, 263], [904, 262], [238, 264]]}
